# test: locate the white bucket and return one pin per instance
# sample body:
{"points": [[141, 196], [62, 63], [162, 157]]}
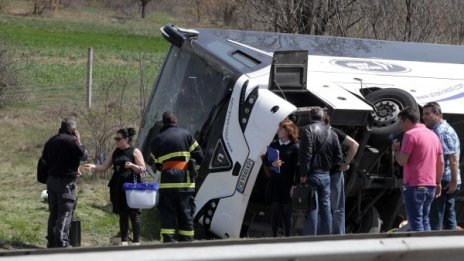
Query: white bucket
{"points": [[141, 195]]}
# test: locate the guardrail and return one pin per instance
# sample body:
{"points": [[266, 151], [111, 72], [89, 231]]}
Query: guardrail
{"points": [[442, 246]]}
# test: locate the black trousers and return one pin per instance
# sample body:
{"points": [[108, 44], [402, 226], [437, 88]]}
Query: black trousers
{"points": [[176, 211], [61, 203], [134, 216], [281, 214]]}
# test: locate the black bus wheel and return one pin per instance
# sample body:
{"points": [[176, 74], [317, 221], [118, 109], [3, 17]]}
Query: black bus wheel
{"points": [[388, 104], [371, 222]]}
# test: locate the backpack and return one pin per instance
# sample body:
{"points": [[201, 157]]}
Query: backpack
{"points": [[42, 171]]}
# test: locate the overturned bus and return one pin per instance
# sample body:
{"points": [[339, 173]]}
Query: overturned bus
{"points": [[232, 88]]}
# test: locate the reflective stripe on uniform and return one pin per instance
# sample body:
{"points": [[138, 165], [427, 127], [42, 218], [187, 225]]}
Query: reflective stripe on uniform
{"points": [[185, 154], [187, 233], [168, 231], [177, 185], [153, 157], [193, 146]]}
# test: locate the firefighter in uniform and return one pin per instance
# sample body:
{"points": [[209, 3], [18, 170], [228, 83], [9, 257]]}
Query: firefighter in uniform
{"points": [[173, 150]]}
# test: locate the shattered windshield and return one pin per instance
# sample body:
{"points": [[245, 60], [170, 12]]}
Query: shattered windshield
{"points": [[189, 87]]}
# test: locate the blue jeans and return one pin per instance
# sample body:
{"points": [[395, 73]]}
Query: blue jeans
{"points": [[320, 182], [337, 202], [417, 201], [442, 212]]}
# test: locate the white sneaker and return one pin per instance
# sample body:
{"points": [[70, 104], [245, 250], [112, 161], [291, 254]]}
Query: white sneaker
{"points": [[136, 243], [124, 243]]}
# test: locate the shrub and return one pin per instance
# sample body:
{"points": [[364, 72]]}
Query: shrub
{"points": [[9, 80]]}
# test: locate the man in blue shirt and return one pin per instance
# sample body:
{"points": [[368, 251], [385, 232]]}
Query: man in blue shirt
{"points": [[442, 213]]}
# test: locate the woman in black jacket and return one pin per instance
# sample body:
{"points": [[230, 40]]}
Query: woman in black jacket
{"points": [[282, 173]]}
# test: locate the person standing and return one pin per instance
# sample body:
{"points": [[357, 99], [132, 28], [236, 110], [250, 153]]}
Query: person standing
{"points": [[319, 152], [283, 183], [442, 212], [173, 150], [337, 178], [127, 162], [421, 156], [62, 153]]}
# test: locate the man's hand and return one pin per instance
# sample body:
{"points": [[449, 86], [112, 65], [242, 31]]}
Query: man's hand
{"points": [[291, 191], [401, 158], [78, 135], [344, 167], [451, 188], [395, 145], [89, 167], [438, 191]]}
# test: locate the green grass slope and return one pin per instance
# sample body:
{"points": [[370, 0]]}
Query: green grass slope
{"points": [[50, 57]]}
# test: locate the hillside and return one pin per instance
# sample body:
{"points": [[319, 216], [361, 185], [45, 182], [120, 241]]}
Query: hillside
{"points": [[50, 57]]}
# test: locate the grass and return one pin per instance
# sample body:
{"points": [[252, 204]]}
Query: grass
{"points": [[23, 216], [46, 51], [51, 61], [44, 73], [50, 42], [53, 51]]}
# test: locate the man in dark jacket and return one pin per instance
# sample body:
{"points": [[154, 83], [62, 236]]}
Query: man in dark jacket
{"points": [[173, 150], [319, 152], [62, 153]]}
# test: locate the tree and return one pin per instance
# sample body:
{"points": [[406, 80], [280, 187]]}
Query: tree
{"points": [[53, 5], [197, 4], [398, 20], [303, 16], [143, 7]]}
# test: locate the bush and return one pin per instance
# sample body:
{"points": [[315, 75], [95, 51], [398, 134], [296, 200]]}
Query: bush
{"points": [[9, 80]]}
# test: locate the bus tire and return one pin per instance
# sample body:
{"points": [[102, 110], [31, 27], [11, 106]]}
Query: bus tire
{"points": [[388, 103], [370, 222]]}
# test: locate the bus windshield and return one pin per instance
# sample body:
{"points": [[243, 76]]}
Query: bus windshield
{"points": [[187, 86]]}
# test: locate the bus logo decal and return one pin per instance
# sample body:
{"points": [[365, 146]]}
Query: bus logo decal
{"points": [[370, 66]]}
